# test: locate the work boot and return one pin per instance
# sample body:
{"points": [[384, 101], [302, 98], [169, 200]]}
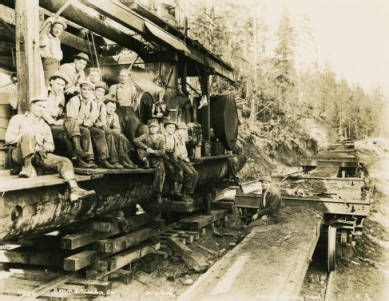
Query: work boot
{"points": [[28, 170], [128, 164], [106, 164], [76, 192], [187, 198], [145, 163], [92, 163], [78, 162], [117, 165]]}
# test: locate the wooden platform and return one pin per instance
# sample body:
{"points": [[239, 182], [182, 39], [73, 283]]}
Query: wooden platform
{"points": [[269, 264]]}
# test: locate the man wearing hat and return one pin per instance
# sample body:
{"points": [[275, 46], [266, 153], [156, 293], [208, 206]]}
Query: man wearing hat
{"points": [[82, 108], [33, 146], [190, 173], [75, 72], [125, 94], [118, 144], [151, 150], [50, 48], [173, 169], [54, 114]]}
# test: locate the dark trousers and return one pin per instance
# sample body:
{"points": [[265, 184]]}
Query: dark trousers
{"points": [[74, 129], [271, 201], [128, 122], [159, 167], [191, 177], [173, 169], [46, 161], [99, 142], [61, 138], [118, 146]]}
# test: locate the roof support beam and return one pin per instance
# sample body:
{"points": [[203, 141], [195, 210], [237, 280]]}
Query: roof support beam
{"points": [[96, 25]]}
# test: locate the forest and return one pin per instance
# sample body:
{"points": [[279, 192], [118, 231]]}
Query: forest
{"points": [[271, 92]]}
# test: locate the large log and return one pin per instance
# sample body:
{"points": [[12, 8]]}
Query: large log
{"points": [[41, 209]]}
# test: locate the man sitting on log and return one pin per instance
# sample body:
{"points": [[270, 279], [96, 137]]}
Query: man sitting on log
{"points": [[151, 150], [33, 146], [54, 114], [118, 144], [107, 120], [173, 169], [83, 109], [125, 94], [75, 72]]}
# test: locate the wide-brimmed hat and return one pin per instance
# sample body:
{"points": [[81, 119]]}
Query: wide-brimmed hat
{"points": [[102, 85], [152, 122], [38, 98], [82, 56], [60, 75], [59, 21], [167, 122]]}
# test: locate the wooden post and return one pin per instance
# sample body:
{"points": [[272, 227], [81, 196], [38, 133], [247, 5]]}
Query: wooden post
{"points": [[27, 51]]}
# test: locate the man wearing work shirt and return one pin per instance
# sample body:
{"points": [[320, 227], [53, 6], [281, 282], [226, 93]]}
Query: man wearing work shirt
{"points": [[125, 94]]}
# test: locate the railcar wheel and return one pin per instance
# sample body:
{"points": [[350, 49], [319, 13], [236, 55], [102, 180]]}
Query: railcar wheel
{"points": [[331, 249]]}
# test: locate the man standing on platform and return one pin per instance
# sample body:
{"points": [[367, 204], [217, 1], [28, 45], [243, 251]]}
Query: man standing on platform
{"points": [[125, 94], [82, 109], [50, 45], [151, 150], [75, 72], [33, 146]]}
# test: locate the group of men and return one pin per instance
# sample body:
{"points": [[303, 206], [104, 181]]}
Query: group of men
{"points": [[95, 124]]}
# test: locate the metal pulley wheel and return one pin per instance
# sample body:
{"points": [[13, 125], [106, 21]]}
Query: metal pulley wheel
{"points": [[331, 249]]}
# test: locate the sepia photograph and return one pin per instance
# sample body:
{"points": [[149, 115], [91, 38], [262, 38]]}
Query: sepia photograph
{"points": [[194, 150]]}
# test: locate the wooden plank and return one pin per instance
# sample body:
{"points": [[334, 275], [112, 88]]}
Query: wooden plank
{"points": [[29, 256], [12, 183], [195, 260], [105, 171], [79, 260], [270, 261], [77, 240], [74, 241], [196, 222], [126, 257], [121, 243], [32, 274], [188, 207]]}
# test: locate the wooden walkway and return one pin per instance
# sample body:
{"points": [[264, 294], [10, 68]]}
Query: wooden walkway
{"points": [[269, 264]]}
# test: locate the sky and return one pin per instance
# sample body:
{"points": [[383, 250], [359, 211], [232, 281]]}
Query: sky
{"points": [[352, 36]]}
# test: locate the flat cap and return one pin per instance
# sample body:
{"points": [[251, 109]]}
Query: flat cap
{"points": [[38, 98], [82, 56]]}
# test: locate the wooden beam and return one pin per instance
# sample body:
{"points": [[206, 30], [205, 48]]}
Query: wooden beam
{"points": [[96, 25], [28, 61], [68, 39], [121, 243], [79, 260]]}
